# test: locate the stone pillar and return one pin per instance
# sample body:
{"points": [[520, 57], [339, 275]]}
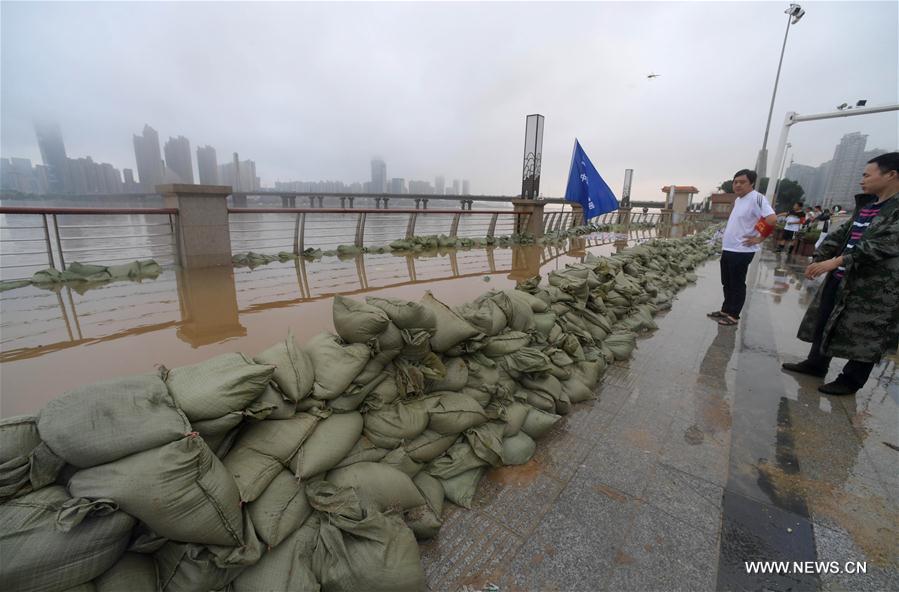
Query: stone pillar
{"points": [[239, 201], [525, 262], [351, 201], [386, 199], [377, 203], [321, 201], [203, 236], [343, 202], [534, 224], [624, 216], [417, 203], [424, 203], [311, 201]]}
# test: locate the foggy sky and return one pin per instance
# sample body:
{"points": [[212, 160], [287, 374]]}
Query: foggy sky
{"points": [[314, 91]]}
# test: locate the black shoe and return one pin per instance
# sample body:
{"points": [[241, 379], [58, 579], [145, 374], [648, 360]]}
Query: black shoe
{"points": [[837, 388], [805, 368]]}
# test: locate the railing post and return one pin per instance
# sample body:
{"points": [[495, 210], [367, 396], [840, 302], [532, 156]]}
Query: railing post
{"points": [[321, 201], [386, 199], [311, 201], [454, 227], [360, 230], [417, 203], [424, 203], [62, 257], [491, 230], [302, 239], [342, 202], [47, 240], [410, 228], [203, 237], [351, 200]]}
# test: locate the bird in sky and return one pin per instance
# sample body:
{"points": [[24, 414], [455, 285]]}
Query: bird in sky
{"points": [[652, 75]]}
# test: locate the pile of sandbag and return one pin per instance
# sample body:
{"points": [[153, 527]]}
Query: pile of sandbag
{"points": [[315, 467], [83, 276]]}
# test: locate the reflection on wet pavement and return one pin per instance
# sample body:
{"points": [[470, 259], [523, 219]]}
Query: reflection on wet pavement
{"points": [[698, 455]]}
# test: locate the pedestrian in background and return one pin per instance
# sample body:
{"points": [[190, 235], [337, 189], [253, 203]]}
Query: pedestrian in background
{"points": [[855, 314]]}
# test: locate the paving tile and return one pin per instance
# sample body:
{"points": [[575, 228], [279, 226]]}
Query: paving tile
{"points": [[639, 428], [694, 501], [662, 553], [696, 451], [620, 466], [573, 547], [517, 497], [560, 453], [587, 421], [834, 544], [472, 549]]}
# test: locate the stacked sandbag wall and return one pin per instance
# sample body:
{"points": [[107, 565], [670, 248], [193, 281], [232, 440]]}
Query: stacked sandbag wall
{"points": [[316, 467]]}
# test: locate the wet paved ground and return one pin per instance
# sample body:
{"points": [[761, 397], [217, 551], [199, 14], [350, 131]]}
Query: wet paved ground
{"points": [[698, 455]]}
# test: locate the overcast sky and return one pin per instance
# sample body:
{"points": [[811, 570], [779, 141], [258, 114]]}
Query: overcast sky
{"points": [[313, 91]]}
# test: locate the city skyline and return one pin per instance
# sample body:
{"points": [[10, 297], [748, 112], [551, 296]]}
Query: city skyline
{"points": [[427, 86]]}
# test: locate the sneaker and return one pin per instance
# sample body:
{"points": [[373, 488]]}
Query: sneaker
{"points": [[804, 367], [837, 388]]}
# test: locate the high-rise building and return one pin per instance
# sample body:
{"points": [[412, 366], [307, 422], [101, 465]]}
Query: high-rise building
{"points": [[129, 185], [239, 174], [466, 187], [397, 185], [150, 168], [207, 165], [807, 177], [439, 185], [845, 171], [420, 188], [457, 187], [53, 153], [177, 159], [378, 176]]}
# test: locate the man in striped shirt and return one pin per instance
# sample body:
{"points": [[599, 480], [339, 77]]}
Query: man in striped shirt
{"points": [[855, 314]]}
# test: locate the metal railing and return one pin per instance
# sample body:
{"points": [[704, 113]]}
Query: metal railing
{"points": [[33, 238], [295, 229]]}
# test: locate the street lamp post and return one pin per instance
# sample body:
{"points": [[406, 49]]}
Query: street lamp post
{"points": [[794, 13]]}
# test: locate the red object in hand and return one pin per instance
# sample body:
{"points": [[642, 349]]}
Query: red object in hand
{"points": [[763, 228]]}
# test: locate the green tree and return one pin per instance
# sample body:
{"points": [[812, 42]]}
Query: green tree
{"points": [[788, 193]]}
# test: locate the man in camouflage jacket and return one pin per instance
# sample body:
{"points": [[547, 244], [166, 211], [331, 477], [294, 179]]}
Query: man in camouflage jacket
{"points": [[855, 314]]}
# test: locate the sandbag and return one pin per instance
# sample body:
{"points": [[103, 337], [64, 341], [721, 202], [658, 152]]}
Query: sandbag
{"points": [[280, 509], [294, 372], [125, 415], [364, 450], [283, 407], [461, 489], [335, 365], [332, 439], [378, 484], [223, 384], [537, 305], [50, 542], [405, 315], [456, 377], [576, 391], [425, 521], [451, 328], [511, 414], [544, 322], [180, 490], [621, 345], [134, 572], [505, 343], [538, 423], [263, 449], [484, 315], [399, 459], [487, 442], [454, 413], [359, 550], [189, 567], [26, 463], [286, 567], [459, 458], [429, 445], [527, 360], [219, 433], [357, 322], [518, 449], [389, 426]]}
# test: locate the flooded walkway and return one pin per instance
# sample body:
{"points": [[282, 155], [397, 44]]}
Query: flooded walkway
{"points": [[699, 455]]}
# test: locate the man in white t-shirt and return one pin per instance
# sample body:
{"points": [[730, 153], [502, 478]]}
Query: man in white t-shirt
{"points": [[740, 243]]}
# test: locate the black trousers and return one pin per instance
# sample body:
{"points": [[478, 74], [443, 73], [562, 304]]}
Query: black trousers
{"points": [[854, 373], [733, 279]]}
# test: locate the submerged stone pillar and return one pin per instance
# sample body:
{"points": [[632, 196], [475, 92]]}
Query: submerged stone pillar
{"points": [[532, 224]]}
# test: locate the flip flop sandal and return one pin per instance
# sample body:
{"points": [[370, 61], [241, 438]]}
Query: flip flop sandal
{"points": [[728, 321], [715, 314]]}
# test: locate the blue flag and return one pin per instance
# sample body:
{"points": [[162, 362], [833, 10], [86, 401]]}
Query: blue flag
{"points": [[587, 188]]}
